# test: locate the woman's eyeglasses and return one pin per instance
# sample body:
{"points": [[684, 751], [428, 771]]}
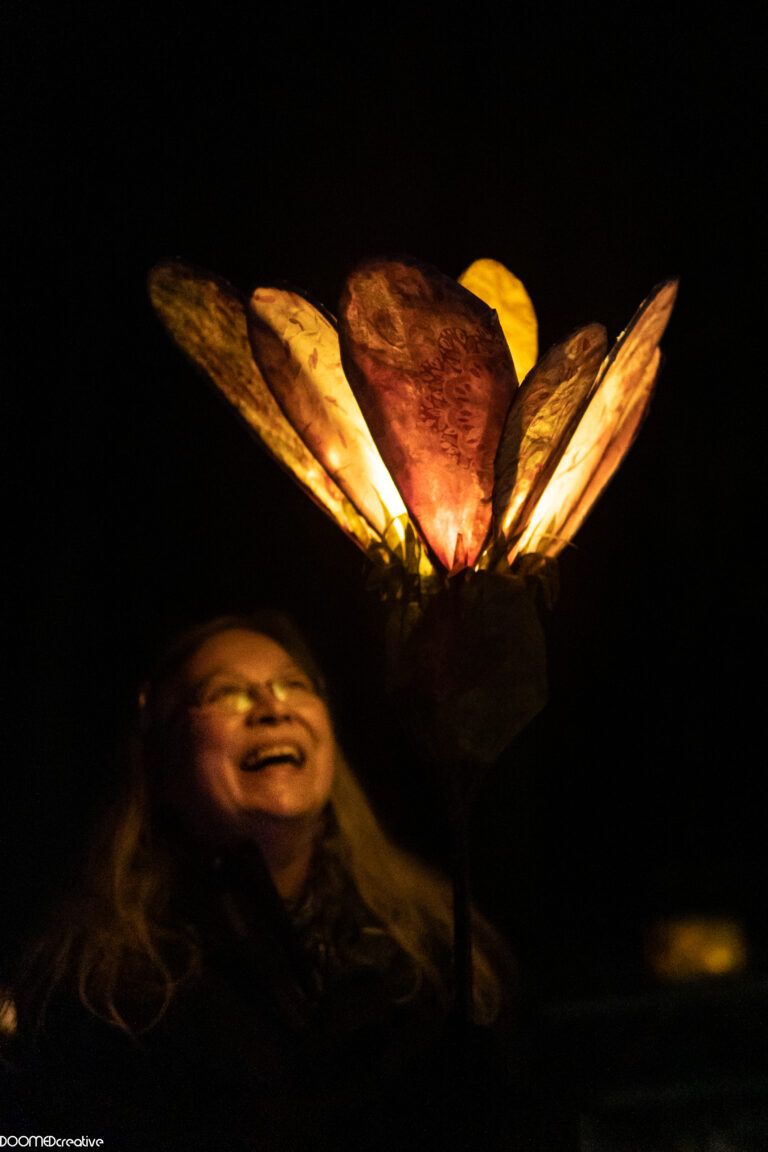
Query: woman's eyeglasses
{"points": [[235, 698]]}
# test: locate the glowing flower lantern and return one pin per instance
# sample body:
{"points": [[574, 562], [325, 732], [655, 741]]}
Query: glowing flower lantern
{"points": [[405, 421]]}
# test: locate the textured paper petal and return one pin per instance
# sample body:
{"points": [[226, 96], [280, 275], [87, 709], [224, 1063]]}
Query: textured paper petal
{"points": [[502, 290], [297, 350], [434, 378], [542, 418], [600, 440], [637, 408], [207, 319]]}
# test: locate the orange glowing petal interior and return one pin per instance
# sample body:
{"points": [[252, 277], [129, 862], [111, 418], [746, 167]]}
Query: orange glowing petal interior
{"points": [[434, 378]]}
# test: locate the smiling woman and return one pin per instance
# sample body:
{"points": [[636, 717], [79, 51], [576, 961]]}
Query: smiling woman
{"points": [[257, 748], [250, 957]]}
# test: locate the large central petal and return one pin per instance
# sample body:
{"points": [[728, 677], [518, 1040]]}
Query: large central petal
{"points": [[433, 376]]}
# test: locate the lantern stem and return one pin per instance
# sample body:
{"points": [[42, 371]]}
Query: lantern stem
{"points": [[462, 921]]}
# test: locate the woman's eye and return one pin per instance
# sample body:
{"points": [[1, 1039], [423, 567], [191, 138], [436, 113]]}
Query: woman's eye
{"points": [[227, 693], [295, 684]]}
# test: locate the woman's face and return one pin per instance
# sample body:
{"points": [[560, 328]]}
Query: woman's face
{"points": [[257, 738]]}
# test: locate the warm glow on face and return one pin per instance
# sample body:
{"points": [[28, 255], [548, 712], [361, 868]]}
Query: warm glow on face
{"points": [[275, 759], [687, 948]]}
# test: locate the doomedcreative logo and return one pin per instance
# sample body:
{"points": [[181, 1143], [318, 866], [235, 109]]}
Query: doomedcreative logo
{"points": [[51, 1141]]}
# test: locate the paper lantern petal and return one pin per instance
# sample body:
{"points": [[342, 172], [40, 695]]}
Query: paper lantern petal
{"points": [[297, 350], [542, 418], [605, 431], [433, 376], [207, 319], [502, 291], [636, 409]]}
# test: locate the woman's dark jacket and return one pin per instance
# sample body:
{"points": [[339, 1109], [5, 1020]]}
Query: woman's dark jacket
{"points": [[303, 1030]]}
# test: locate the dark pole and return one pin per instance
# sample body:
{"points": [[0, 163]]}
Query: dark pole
{"points": [[462, 920]]}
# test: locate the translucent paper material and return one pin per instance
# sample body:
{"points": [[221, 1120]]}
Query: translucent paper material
{"points": [[501, 290], [297, 350], [629, 425], [542, 418], [407, 426], [207, 319], [431, 370], [604, 433]]}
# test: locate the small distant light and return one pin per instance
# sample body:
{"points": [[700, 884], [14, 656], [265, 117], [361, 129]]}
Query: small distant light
{"points": [[696, 947]]}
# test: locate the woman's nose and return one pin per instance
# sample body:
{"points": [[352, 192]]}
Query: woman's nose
{"points": [[266, 708]]}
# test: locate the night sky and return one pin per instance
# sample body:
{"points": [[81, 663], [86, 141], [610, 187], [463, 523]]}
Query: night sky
{"points": [[595, 154]]}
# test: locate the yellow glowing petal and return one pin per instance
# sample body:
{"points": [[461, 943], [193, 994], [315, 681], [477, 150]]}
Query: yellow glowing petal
{"points": [[605, 431], [500, 289], [542, 418], [206, 317], [297, 350]]}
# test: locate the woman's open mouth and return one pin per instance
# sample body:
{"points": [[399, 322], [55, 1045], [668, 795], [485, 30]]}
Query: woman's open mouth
{"points": [[286, 753]]}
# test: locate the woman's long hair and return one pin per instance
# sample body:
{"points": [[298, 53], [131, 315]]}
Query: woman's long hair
{"points": [[118, 933]]}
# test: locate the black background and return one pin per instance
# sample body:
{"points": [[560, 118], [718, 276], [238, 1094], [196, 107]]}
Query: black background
{"points": [[595, 153]]}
